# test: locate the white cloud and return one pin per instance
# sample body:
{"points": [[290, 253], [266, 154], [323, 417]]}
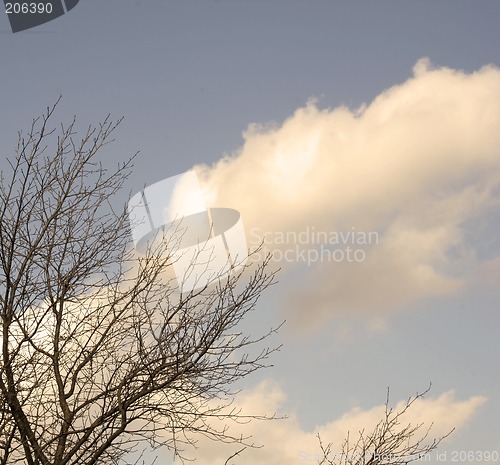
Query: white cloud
{"points": [[285, 441], [413, 166]]}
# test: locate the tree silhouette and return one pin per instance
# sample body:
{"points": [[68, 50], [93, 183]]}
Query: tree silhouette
{"points": [[100, 355]]}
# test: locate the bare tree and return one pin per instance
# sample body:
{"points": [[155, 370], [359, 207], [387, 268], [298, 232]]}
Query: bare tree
{"points": [[390, 443], [100, 355]]}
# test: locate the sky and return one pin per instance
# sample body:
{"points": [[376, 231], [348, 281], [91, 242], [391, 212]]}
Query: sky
{"points": [[359, 140]]}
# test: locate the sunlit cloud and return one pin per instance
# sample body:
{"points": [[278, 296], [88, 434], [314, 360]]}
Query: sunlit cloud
{"points": [[412, 166], [286, 441]]}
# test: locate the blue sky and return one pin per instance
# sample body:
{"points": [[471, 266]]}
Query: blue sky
{"points": [[197, 81]]}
